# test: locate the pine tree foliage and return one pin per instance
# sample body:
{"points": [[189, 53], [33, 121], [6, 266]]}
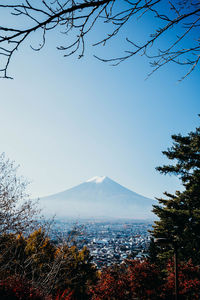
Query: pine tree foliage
{"points": [[179, 214]]}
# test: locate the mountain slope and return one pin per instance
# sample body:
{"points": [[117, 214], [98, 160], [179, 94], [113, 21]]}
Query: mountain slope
{"points": [[98, 197]]}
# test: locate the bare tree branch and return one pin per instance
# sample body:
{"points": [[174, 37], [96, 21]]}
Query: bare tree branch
{"points": [[178, 25], [17, 212]]}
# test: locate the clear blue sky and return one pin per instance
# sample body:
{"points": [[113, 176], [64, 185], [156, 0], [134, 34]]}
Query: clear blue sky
{"points": [[65, 120]]}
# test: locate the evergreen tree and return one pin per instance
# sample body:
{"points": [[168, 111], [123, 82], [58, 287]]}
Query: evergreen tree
{"points": [[179, 214]]}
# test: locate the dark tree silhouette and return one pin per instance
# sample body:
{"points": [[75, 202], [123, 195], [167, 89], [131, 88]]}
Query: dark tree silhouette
{"points": [[181, 19], [179, 213]]}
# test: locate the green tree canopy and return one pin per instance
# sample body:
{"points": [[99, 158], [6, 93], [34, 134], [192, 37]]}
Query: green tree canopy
{"points": [[179, 214]]}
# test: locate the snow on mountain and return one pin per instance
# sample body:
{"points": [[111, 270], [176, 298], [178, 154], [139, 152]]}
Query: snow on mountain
{"points": [[97, 179], [96, 198]]}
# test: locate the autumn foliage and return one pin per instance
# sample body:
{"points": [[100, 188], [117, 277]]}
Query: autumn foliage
{"points": [[34, 268], [141, 280], [133, 279], [16, 288], [189, 280]]}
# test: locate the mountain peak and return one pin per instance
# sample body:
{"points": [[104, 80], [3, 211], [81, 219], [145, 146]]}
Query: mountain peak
{"points": [[99, 196], [97, 179]]}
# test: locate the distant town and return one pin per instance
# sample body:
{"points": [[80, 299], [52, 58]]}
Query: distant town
{"points": [[108, 241]]}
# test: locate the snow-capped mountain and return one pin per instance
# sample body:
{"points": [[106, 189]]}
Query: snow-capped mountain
{"points": [[98, 197]]}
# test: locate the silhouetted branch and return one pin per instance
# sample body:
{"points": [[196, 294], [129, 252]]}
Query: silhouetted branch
{"points": [[178, 20]]}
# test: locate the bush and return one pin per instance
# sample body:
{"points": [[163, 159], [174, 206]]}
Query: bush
{"points": [[189, 281], [133, 279], [14, 288]]}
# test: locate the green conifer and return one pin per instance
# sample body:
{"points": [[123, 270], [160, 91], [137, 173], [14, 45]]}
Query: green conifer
{"points": [[179, 214]]}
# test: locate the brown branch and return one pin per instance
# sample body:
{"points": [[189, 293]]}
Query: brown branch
{"points": [[80, 18]]}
